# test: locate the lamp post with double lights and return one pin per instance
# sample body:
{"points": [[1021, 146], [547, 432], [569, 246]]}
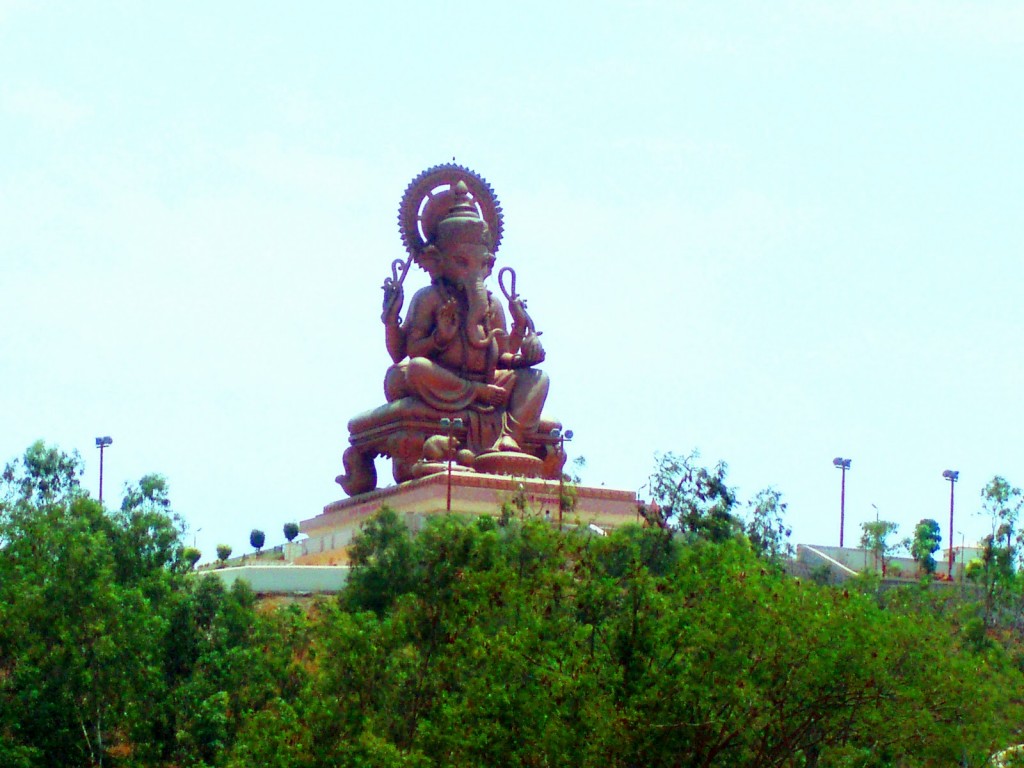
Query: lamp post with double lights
{"points": [[952, 476], [102, 443], [450, 425], [561, 437], [843, 464]]}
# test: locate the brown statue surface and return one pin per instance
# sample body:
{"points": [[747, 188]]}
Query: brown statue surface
{"points": [[457, 355]]}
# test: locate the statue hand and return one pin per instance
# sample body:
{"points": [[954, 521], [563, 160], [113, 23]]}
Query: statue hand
{"points": [[491, 394], [517, 310], [532, 351], [394, 296], [447, 321]]}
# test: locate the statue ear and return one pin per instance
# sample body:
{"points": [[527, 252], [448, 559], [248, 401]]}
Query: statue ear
{"points": [[430, 259]]}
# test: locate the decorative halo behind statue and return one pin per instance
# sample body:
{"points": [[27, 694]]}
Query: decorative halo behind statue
{"points": [[423, 204]]}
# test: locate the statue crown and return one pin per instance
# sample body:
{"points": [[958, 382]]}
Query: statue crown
{"points": [[461, 222]]}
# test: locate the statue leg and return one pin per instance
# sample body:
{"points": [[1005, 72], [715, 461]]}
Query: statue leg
{"points": [[528, 396], [395, 382], [526, 401], [437, 386]]}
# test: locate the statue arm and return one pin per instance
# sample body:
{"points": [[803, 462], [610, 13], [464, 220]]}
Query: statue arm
{"points": [[394, 335], [394, 339], [521, 348], [420, 337], [508, 342]]}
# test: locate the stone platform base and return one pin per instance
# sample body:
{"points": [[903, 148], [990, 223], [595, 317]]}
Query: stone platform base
{"points": [[330, 533]]}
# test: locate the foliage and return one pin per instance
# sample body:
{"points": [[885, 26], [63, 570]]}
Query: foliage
{"points": [[697, 502], [291, 530], [569, 490], [479, 643], [223, 552], [385, 565], [692, 499], [523, 645], [1001, 503], [43, 474], [190, 556], [766, 527], [875, 539], [109, 653], [926, 542], [997, 575], [822, 574], [151, 492], [257, 539]]}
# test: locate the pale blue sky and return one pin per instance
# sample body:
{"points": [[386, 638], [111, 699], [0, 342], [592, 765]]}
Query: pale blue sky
{"points": [[778, 232]]}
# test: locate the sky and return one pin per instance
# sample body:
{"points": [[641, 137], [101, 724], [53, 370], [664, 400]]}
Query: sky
{"points": [[773, 232]]}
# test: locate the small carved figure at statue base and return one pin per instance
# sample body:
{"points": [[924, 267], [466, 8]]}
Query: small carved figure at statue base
{"points": [[455, 356]]}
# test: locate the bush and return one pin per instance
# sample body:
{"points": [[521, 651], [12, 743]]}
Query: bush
{"points": [[223, 552], [822, 574]]}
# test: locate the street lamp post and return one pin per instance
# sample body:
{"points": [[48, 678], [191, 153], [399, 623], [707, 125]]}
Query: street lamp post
{"points": [[561, 437], [962, 539], [843, 464], [102, 443], [450, 425], [952, 476]]}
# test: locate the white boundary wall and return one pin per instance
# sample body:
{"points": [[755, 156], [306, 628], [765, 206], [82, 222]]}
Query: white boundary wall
{"points": [[284, 579]]}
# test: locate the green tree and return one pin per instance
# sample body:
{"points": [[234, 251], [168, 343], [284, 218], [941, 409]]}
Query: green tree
{"points": [[479, 643], [148, 533], [1001, 504], [43, 475], [151, 492], [223, 552], [525, 645], [875, 539], [190, 556], [257, 539], [291, 530], [926, 542], [766, 527], [79, 648], [384, 562], [691, 498], [110, 652]]}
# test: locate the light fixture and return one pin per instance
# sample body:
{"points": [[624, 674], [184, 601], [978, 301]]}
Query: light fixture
{"points": [[844, 464], [102, 443], [951, 475]]}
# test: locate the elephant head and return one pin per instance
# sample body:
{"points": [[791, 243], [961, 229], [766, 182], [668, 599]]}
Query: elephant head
{"points": [[460, 253]]}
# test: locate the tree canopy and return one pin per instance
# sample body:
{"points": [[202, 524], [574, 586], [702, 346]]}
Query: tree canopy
{"points": [[499, 640], [926, 542]]}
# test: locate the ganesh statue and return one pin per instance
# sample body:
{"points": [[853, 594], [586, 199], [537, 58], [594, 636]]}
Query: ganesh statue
{"points": [[463, 387]]}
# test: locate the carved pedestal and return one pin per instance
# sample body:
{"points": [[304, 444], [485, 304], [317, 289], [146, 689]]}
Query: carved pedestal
{"points": [[400, 430], [330, 533]]}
